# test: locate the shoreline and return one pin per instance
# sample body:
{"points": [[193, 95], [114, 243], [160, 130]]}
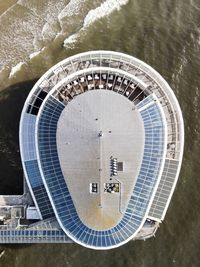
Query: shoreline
{"points": [[5, 5]]}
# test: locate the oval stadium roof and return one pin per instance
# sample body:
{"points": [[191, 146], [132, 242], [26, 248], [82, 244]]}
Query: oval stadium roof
{"points": [[101, 142]]}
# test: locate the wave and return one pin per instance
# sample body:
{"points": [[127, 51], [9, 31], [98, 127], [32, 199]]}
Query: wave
{"points": [[105, 9], [16, 68], [195, 4], [27, 28]]}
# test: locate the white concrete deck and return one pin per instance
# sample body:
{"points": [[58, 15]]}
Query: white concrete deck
{"points": [[85, 156]]}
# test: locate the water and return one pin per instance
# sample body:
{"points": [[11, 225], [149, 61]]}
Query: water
{"points": [[166, 35]]}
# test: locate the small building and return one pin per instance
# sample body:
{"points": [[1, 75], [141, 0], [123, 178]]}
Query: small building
{"points": [[32, 213]]}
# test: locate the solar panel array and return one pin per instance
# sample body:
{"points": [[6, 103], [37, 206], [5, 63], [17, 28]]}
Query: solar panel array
{"points": [[32, 168], [33, 236], [59, 192], [38, 188], [144, 102], [152, 158], [158, 207]]}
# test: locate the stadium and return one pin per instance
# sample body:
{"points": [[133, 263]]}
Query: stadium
{"points": [[101, 143]]}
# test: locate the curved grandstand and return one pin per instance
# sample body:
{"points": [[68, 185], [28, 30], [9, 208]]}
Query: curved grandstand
{"points": [[101, 141]]}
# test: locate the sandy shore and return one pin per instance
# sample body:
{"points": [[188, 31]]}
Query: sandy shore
{"points": [[4, 5]]}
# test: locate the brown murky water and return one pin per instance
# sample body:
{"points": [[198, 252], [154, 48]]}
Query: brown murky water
{"points": [[166, 35]]}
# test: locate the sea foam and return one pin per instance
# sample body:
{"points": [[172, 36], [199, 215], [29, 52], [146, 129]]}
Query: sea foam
{"points": [[93, 15], [16, 68], [103, 10]]}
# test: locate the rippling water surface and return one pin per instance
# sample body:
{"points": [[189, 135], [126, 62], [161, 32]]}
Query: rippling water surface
{"points": [[166, 34]]}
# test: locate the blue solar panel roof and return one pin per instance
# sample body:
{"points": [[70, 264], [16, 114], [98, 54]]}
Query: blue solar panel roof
{"points": [[163, 145], [59, 193]]}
